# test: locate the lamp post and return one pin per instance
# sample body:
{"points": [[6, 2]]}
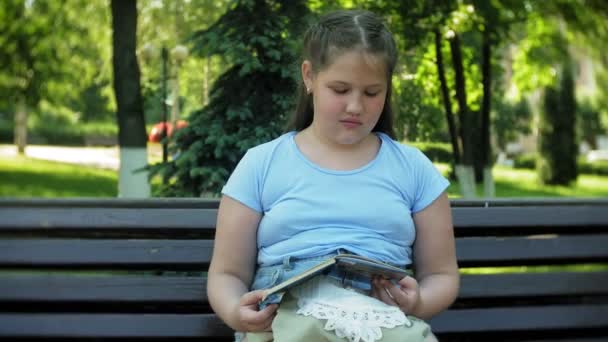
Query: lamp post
{"points": [[179, 54], [150, 53]]}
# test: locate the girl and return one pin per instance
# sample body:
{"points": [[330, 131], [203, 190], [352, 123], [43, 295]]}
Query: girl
{"points": [[337, 181]]}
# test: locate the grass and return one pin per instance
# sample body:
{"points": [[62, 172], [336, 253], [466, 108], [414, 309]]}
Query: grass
{"points": [[511, 182], [25, 177]]}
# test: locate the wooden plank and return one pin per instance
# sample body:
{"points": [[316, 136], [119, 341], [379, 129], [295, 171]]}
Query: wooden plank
{"points": [[111, 325], [535, 216], [523, 250], [107, 218], [470, 251], [105, 288], [562, 317], [162, 289], [48, 218], [206, 325], [533, 285], [109, 253], [156, 202]]}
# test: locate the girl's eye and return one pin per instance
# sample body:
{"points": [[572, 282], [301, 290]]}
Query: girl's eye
{"points": [[340, 90], [372, 94]]}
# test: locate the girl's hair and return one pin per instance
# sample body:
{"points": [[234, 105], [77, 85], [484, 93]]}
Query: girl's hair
{"points": [[339, 32]]}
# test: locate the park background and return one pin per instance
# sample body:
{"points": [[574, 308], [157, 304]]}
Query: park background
{"points": [[508, 95]]}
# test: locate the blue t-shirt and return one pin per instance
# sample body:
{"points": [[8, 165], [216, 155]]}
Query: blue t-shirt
{"points": [[310, 211]]}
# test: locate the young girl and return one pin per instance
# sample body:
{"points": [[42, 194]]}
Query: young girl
{"points": [[336, 182]]}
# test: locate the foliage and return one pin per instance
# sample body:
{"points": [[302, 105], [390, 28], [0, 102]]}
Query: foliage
{"points": [[557, 141], [249, 103], [509, 120], [48, 52], [435, 151], [588, 124], [528, 161]]}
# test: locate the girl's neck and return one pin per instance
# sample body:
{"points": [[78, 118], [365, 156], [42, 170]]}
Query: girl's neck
{"points": [[340, 157]]}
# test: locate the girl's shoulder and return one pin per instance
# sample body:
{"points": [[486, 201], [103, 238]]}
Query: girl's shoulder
{"points": [[270, 147], [400, 148]]}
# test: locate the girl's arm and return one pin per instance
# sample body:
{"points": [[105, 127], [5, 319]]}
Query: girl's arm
{"points": [[435, 259], [233, 266], [437, 277]]}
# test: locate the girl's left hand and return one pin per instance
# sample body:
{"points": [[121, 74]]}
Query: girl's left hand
{"points": [[404, 295]]}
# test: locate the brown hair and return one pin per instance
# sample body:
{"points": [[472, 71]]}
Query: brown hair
{"points": [[339, 32]]}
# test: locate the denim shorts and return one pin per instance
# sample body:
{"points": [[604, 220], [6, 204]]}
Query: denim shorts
{"points": [[269, 276]]}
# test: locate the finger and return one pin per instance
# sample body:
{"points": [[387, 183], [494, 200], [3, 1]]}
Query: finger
{"points": [[251, 298], [385, 296], [408, 283], [268, 326]]}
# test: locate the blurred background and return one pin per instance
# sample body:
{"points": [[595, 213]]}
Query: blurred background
{"points": [[507, 97]]}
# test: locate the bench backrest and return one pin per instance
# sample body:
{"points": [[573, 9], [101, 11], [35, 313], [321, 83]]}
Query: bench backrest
{"points": [[136, 269]]}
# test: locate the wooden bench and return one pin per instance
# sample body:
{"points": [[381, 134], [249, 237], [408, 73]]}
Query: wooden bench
{"points": [[115, 268]]}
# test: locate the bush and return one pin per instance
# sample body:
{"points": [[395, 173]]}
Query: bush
{"points": [[62, 133], [437, 152], [596, 168], [528, 161], [525, 161]]}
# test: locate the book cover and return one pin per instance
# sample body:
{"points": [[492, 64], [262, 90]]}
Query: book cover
{"points": [[349, 263]]}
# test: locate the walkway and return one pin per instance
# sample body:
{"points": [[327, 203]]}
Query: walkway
{"points": [[100, 157]]}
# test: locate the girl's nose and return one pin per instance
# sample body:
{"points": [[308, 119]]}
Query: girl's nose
{"points": [[355, 104]]}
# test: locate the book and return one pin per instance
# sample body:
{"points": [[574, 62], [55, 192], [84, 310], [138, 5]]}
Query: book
{"points": [[349, 263]]}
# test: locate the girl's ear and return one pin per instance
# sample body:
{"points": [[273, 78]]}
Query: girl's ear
{"points": [[307, 75]]}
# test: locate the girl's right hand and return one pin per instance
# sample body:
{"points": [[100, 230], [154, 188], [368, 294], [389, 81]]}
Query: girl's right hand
{"points": [[250, 318]]}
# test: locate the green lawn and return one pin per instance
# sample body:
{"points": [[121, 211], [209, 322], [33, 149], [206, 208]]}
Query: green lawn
{"points": [[26, 177], [523, 183]]}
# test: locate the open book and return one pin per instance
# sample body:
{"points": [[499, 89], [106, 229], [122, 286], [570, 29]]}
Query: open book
{"points": [[350, 263]]}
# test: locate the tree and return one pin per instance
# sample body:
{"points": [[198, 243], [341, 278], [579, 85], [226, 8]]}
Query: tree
{"points": [[557, 138], [47, 53], [133, 182], [249, 103]]}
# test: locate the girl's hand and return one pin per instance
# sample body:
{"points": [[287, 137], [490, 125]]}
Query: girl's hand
{"points": [[405, 295], [250, 318]]}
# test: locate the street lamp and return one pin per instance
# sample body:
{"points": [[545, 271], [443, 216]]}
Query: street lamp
{"points": [[179, 55], [150, 53]]}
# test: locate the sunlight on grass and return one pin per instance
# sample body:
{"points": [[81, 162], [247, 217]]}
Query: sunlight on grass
{"points": [[25, 177], [523, 183]]}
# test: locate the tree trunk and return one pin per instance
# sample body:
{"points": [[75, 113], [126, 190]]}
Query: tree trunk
{"points": [[446, 100], [464, 172], [485, 157], [130, 115], [20, 132]]}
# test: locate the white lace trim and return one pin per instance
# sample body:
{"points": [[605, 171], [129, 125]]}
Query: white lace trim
{"points": [[349, 313]]}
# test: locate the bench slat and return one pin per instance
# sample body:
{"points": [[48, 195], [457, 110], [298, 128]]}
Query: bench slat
{"points": [[16, 218], [531, 216], [106, 218], [521, 318], [161, 289], [137, 253], [104, 289], [207, 325], [480, 251], [533, 284], [108, 253], [112, 325]]}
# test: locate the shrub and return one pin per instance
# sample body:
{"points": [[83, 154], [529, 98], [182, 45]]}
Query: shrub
{"points": [[525, 161], [437, 152]]}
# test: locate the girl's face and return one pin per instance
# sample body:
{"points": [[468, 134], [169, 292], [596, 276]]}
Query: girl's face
{"points": [[348, 96]]}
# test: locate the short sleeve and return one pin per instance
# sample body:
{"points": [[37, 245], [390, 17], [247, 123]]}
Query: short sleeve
{"points": [[243, 184], [430, 183]]}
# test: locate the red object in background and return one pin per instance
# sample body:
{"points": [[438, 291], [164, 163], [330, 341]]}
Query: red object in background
{"points": [[157, 130]]}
